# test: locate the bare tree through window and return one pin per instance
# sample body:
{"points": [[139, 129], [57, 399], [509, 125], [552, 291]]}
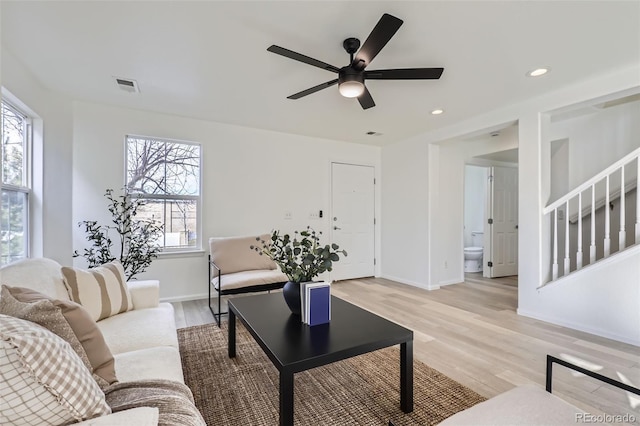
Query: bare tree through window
{"points": [[14, 210], [167, 175]]}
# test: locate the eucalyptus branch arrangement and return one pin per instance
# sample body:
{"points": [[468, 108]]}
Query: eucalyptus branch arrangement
{"points": [[136, 238], [301, 258]]}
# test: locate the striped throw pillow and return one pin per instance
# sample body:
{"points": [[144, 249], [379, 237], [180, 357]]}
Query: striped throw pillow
{"points": [[42, 380], [102, 291]]}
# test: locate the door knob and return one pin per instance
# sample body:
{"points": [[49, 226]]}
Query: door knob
{"points": [[336, 228]]}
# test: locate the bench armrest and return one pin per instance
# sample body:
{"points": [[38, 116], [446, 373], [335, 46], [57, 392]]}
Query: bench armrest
{"points": [[144, 293], [140, 416], [214, 266]]}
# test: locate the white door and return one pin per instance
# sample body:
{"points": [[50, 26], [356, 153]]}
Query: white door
{"points": [[352, 219], [503, 221]]}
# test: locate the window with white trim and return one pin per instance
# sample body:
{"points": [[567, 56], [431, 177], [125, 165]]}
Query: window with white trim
{"points": [[16, 184], [166, 175]]}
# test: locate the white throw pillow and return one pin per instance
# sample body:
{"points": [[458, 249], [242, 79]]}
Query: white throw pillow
{"points": [[102, 291], [42, 380]]}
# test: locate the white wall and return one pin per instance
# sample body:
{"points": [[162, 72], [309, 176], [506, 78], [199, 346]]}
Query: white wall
{"points": [[603, 299], [250, 178], [53, 145], [405, 235], [559, 169], [598, 139], [475, 195]]}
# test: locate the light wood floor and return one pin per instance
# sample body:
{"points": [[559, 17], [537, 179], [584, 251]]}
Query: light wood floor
{"points": [[471, 333]]}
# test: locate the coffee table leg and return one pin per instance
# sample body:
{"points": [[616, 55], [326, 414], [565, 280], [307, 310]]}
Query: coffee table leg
{"points": [[406, 376], [286, 398], [232, 334]]}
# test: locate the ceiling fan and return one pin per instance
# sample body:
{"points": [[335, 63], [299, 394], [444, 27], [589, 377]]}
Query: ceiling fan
{"points": [[352, 76]]}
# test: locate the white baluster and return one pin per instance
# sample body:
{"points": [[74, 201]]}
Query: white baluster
{"points": [[592, 248], [567, 257], [579, 253], [607, 220], [622, 241], [638, 203], [555, 245]]}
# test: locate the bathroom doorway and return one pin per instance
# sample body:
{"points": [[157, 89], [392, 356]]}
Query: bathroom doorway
{"points": [[490, 220], [475, 217]]}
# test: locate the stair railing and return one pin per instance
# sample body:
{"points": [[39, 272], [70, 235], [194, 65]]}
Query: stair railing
{"points": [[591, 210]]}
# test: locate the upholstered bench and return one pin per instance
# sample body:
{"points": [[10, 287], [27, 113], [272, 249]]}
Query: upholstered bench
{"points": [[531, 405], [235, 268]]}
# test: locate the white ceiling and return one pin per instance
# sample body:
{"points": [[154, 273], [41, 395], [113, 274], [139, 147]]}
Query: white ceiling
{"points": [[208, 59]]}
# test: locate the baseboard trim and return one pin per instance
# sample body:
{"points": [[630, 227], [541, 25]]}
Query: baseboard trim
{"points": [[185, 298], [580, 327], [449, 282], [409, 282]]}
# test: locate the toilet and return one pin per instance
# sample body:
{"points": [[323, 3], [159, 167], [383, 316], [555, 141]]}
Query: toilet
{"points": [[473, 254]]}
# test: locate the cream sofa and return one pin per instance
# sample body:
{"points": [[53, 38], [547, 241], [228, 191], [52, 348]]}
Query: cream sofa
{"points": [[144, 341]]}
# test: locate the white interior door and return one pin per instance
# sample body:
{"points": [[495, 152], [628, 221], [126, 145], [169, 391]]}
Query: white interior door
{"points": [[504, 222], [352, 219]]}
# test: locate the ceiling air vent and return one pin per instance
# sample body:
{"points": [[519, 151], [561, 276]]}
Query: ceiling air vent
{"points": [[126, 84]]}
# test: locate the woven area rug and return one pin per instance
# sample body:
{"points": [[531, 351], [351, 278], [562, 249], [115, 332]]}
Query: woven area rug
{"points": [[364, 390]]}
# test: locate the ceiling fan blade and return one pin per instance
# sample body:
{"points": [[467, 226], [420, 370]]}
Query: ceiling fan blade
{"points": [[301, 58], [313, 89], [379, 37], [404, 74], [366, 101]]}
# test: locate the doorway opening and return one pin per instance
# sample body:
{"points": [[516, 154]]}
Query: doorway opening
{"points": [[491, 218]]}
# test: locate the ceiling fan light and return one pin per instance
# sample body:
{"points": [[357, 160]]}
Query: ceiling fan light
{"points": [[351, 89]]}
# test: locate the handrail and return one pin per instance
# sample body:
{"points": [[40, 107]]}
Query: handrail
{"points": [[589, 183]]}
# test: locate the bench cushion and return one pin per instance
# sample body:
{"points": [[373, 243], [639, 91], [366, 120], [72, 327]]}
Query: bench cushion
{"points": [[250, 278], [523, 405], [234, 254]]}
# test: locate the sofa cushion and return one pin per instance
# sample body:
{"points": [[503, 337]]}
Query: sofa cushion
{"points": [[250, 278], [523, 405], [40, 274], [68, 320], [140, 329], [32, 359], [102, 290], [161, 362], [234, 254]]}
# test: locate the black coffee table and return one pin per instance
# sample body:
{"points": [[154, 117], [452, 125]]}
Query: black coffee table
{"points": [[294, 347]]}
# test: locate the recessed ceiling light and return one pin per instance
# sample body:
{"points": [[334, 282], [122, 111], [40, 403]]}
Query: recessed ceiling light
{"points": [[437, 111], [538, 72]]}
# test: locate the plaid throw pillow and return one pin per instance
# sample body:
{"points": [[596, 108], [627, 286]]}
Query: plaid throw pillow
{"points": [[42, 380]]}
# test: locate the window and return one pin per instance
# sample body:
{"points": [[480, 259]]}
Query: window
{"points": [[16, 189], [166, 174]]}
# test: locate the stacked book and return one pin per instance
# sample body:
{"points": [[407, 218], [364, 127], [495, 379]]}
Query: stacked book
{"points": [[315, 299]]}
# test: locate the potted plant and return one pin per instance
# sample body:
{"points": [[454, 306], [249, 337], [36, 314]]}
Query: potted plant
{"points": [[137, 238], [301, 258]]}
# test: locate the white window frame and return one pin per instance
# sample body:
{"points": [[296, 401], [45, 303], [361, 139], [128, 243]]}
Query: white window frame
{"points": [[197, 198], [27, 168]]}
